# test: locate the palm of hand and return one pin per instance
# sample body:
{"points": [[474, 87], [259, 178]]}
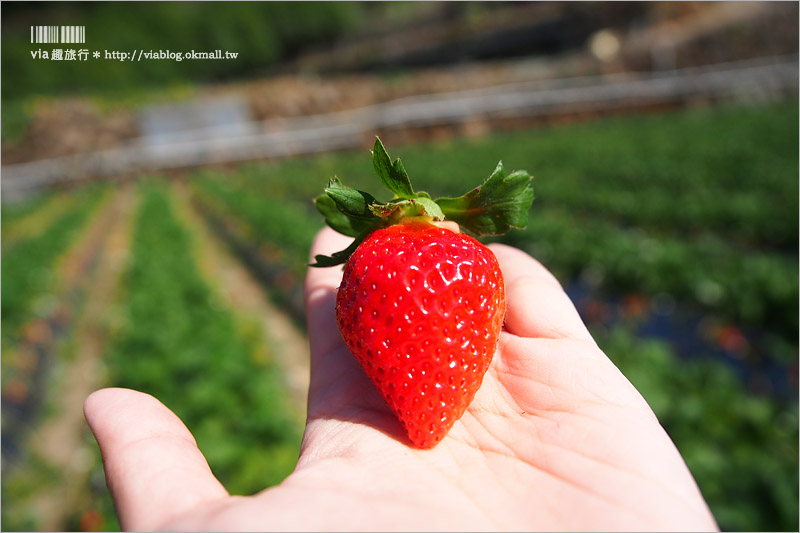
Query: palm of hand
{"points": [[556, 439]]}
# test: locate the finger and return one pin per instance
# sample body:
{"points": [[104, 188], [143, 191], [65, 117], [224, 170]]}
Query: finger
{"points": [[536, 304], [153, 467], [339, 390], [332, 366], [320, 292]]}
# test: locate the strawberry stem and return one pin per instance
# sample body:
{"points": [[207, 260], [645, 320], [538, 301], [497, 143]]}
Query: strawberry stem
{"points": [[500, 203]]}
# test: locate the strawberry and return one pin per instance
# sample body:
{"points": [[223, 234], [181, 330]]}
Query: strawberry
{"points": [[421, 306]]}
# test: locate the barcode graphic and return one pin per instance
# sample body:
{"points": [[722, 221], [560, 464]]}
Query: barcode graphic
{"points": [[58, 34]]}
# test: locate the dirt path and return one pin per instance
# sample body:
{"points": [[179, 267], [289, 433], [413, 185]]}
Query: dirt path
{"points": [[242, 293], [60, 440]]}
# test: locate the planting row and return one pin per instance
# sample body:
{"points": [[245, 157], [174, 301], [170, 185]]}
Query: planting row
{"points": [[28, 262], [757, 289], [180, 344], [272, 238], [284, 223]]}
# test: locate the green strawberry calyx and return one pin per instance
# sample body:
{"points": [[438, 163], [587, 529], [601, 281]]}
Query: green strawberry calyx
{"points": [[500, 203]]}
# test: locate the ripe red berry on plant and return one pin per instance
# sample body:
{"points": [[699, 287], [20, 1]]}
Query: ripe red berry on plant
{"points": [[421, 306]]}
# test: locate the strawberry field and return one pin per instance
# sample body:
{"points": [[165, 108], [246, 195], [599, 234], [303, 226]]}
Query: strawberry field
{"points": [[176, 332], [675, 234]]}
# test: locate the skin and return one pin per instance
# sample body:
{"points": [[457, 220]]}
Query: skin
{"points": [[556, 439]]}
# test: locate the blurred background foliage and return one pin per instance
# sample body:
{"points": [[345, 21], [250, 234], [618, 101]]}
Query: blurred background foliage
{"points": [[670, 220]]}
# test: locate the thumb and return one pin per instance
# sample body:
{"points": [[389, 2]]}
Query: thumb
{"points": [[153, 467]]}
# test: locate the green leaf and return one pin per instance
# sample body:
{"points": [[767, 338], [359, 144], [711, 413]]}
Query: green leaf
{"points": [[501, 203], [393, 175]]}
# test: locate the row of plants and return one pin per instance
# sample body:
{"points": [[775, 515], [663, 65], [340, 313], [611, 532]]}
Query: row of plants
{"points": [[728, 171], [177, 342], [756, 288], [281, 222], [742, 449], [28, 264], [271, 238]]}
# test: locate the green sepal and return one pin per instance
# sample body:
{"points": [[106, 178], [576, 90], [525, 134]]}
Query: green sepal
{"points": [[341, 257], [429, 207], [345, 209], [501, 203], [351, 202], [388, 209], [393, 175], [399, 209], [336, 219]]}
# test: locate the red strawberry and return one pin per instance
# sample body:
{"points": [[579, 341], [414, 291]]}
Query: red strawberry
{"points": [[421, 306]]}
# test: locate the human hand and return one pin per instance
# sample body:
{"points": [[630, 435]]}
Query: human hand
{"points": [[555, 439]]}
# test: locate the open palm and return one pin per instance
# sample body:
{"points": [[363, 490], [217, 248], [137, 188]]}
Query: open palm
{"points": [[556, 439]]}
